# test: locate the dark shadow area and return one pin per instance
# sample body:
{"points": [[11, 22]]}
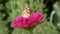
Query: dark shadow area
{"points": [[3, 11], [49, 5]]}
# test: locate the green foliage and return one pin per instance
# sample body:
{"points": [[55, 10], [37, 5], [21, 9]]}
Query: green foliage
{"points": [[14, 9], [57, 14]]}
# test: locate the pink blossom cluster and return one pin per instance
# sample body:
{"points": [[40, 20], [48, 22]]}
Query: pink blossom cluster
{"points": [[33, 20]]}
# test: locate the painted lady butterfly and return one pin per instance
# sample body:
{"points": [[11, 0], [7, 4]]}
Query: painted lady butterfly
{"points": [[26, 12]]}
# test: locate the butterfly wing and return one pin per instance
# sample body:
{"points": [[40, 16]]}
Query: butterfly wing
{"points": [[26, 12]]}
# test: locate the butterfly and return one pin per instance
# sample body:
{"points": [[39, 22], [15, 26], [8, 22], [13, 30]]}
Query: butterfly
{"points": [[26, 12]]}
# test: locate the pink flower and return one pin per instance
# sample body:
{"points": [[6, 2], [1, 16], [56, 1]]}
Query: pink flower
{"points": [[31, 21], [34, 19], [20, 22]]}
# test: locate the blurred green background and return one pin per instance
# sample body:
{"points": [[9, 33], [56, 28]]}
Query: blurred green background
{"points": [[10, 9]]}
